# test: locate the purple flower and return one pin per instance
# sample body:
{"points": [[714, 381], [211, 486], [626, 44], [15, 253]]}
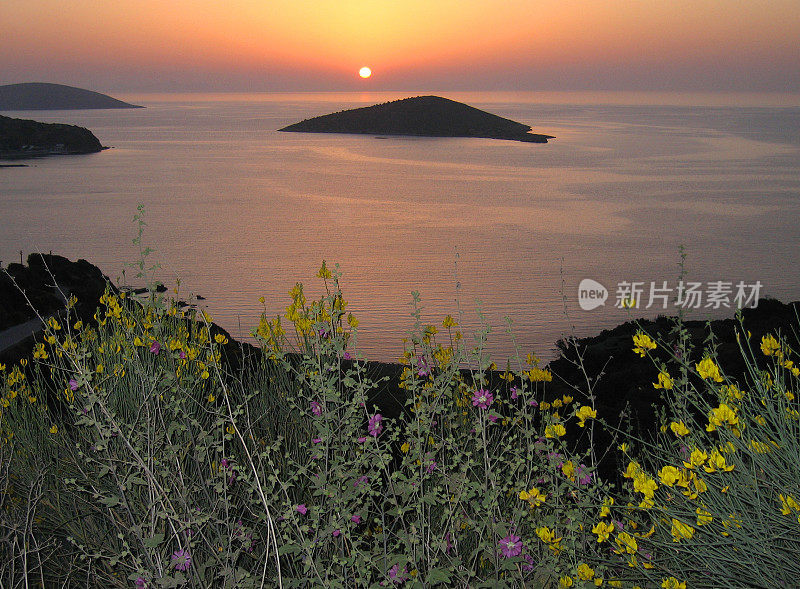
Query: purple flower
{"points": [[422, 367], [182, 355], [316, 408], [347, 356], [529, 560], [361, 440], [181, 560], [533, 403], [432, 466], [316, 440], [302, 509], [356, 519], [155, 347], [448, 544], [492, 418], [224, 463], [361, 479], [511, 546], [396, 575], [73, 384], [584, 478], [482, 398], [336, 533], [140, 582], [514, 393], [375, 426]]}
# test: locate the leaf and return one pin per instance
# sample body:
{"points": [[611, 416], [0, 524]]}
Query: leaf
{"points": [[110, 501], [154, 541]]}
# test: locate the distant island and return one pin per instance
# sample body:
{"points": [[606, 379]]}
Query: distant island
{"points": [[42, 96], [21, 138], [423, 116]]}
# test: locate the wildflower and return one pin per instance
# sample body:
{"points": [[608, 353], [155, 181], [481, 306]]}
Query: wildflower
{"points": [[511, 546], [449, 322], [54, 429], [361, 440], [336, 533], [554, 430], [211, 397], [316, 440], [669, 475], [432, 466], [721, 415], [787, 504], [770, 346], [155, 348], [534, 497], [626, 543], [73, 384], [140, 583], [548, 536], [716, 462], [585, 572], [375, 426], [482, 399], [356, 519], [181, 560], [398, 576], [361, 479], [679, 428], [302, 509], [316, 408], [664, 381], [514, 393], [603, 530], [673, 583], [538, 375], [220, 339], [681, 531], [642, 343], [605, 511], [565, 582], [585, 413], [703, 517], [708, 370], [696, 459]]}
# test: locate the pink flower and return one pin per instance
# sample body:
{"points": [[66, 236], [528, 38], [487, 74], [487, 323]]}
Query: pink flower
{"points": [[316, 408], [302, 509], [155, 347], [482, 399], [396, 575], [511, 546], [316, 440], [493, 418], [181, 560], [361, 440], [514, 393], [336, 533], [533, 403], [356, 519], [375, 426]]}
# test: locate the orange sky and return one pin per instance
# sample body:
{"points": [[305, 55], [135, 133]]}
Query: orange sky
{"points": [[243, 45]]}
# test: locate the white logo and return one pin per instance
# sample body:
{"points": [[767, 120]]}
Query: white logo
{"points": [[591, 294]]}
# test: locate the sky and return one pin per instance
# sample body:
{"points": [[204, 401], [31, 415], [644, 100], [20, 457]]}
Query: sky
{"points": [[304, 45]]}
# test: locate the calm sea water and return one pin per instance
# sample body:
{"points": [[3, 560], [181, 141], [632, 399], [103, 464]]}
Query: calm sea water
{"points": [[237, 210]]}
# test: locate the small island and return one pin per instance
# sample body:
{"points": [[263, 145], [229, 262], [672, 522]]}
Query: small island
{"points": [[42, 96], [421, 116], [21, 138]]}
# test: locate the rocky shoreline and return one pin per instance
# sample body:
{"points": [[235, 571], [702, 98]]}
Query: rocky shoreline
{"points": [[23, 138]]}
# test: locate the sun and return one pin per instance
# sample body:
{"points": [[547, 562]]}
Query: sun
{"points": [[365, 72]]}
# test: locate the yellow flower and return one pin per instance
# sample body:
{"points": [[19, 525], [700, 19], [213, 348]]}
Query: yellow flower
{"points": [[53, 324], [664, 381], [603, 530], [539, 375], [211, 397], [352, 321], [585, 572], [405, 447], [721, 415], [787, 504], [324, 273], [626, 543], [565, 582], [220, 339], [703, 517], [554, 431], [673, 583], [769, 345], [532, 360], [449, 322], [568, 468], [605, 511], [708, 370], [681, 531], [534, 497], [669, 475], [679, 428], [642, 343], [54, 429], [697, 458], [716, 462], [585, 413]]}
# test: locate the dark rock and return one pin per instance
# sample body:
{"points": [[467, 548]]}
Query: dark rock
{"points": [[427, 116]]}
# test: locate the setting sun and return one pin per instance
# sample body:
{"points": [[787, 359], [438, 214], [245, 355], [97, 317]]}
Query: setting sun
{"points": [[365, 72]]}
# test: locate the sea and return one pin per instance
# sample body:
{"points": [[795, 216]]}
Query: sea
{"points": [[644, 204]]}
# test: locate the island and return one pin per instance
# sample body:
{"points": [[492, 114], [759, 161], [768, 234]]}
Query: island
{"points": [[422, 116], [21, 138], [43, 96]]}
